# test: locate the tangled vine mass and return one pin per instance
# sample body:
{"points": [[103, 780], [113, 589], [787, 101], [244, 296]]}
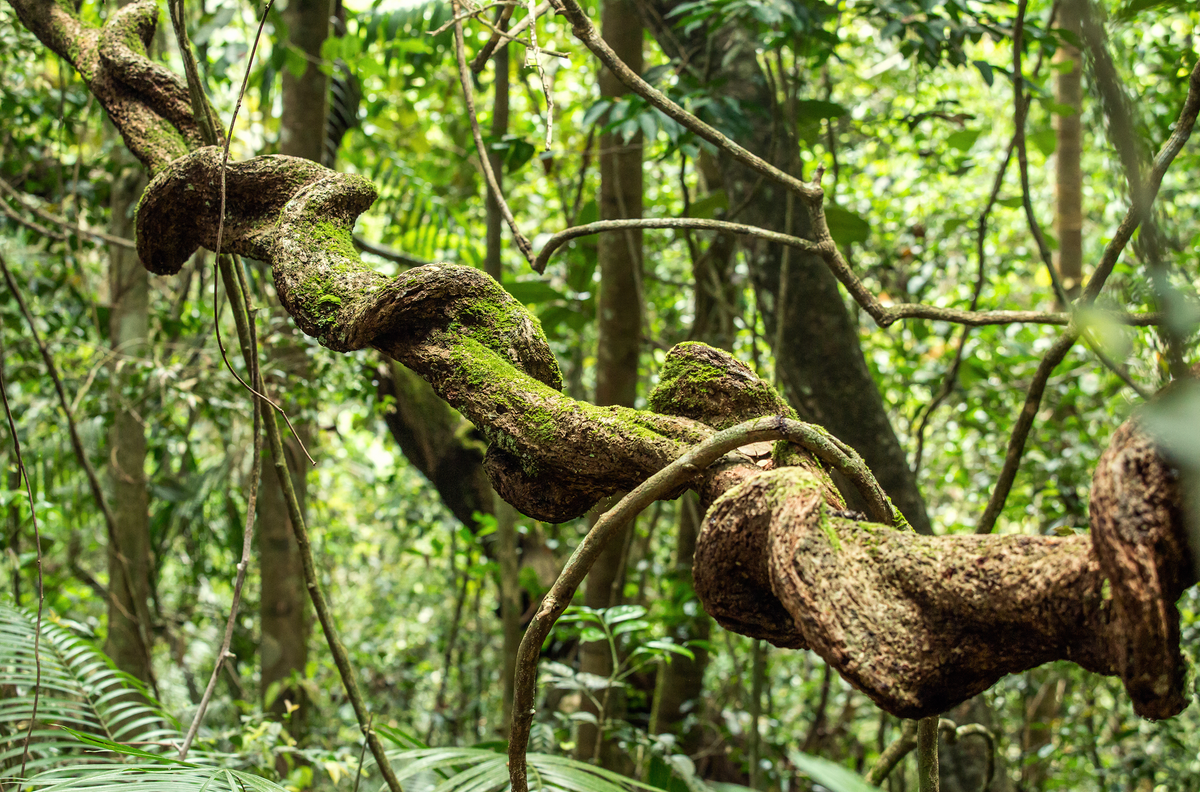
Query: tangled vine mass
{"points": [[918, 623]]}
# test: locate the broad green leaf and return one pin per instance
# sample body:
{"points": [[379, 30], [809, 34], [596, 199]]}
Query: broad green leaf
{"points": [[846, 227], [1045, 141], [832, 776]]}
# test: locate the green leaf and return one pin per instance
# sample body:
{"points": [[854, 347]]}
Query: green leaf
{"points": [[810, 109], [592, 635], [963, 139], [295, 61], [832, 776], [1045, 141], [985, 70], [846, 227], [631, 626], [622, 613]]}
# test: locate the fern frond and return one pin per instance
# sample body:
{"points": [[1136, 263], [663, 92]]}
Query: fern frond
{"points": [[80, 691], [134, 778]]}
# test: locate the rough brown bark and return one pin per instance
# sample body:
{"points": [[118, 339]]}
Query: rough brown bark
{"points": [[550, 454], [129, 295], [920, 623]]}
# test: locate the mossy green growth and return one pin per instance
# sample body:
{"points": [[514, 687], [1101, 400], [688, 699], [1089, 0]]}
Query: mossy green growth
{"points": [[162, 144], [829, 528], [692, 385], [336, 240]]}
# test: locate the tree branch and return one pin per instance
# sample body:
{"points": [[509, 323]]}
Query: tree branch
{"points": [[1016, 443], [670, 478]]}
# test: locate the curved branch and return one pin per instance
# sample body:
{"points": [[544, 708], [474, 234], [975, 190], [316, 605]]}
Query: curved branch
{"points": [[147, 102], [680, 472], [1016, 442], [921, 623], [884, 316], [899, 748]]}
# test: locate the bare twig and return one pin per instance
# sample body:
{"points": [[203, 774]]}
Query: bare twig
{"points": [[57, 220], [679, 472], [511, 36], [242, 567], [485, 163], [586, 32], [37, 540], [886, 315], [470, 14], [234, 279], [531, 59], [928, 775], [206, 119], [980, 239], [562, 237], [499, 32], [981, 230], [221, 230], [1016, 443], [141, 615], [32, 226]]}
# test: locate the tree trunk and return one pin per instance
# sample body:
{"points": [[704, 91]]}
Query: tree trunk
{"points": [[284, 612], [129, 577], [1068, 173], [619, 321], [814, 339], [505, 548], [681, 681]]}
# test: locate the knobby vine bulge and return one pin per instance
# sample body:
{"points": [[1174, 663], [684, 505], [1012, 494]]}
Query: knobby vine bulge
{"points": [[917, 623]]}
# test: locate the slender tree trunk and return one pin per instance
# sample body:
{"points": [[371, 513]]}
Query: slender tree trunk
{"points": [[129, 578], [508, 575], [619, 321], [1068, 210], [286, 622], [681, 681]]}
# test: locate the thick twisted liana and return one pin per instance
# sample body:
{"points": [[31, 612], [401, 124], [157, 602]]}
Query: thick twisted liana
{"points": [[551, 456]]}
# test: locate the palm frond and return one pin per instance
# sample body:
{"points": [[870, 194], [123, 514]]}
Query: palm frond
{"points": [[80, 691], [483, 770], [120, 777]]}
